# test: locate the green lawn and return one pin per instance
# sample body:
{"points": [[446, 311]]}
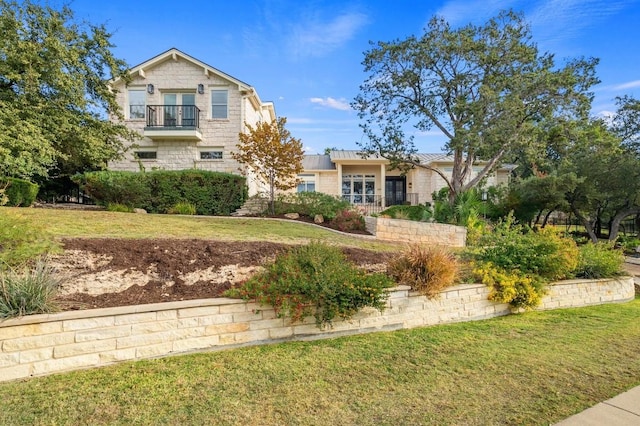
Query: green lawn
{"points": [[99, 224], [533, 368]]}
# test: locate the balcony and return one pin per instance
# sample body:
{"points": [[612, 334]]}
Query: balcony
{"points": [[173, 122]]}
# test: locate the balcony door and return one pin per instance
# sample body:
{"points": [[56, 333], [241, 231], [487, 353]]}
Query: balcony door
{"points": [[179, 109]]}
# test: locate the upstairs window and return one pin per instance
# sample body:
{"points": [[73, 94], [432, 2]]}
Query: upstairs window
{"points": [[219, 104], [137, 100]]}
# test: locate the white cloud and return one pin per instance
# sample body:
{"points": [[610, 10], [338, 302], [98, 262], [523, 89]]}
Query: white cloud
{"points": [[628, 85], [319, 38], [340, 104]]}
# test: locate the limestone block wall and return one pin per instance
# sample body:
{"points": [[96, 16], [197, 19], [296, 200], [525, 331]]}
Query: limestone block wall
{"points": [[43, 344], [418, 232]]}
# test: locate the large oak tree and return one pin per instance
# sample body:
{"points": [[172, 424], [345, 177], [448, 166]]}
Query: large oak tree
{"points": [[54, 92], [484, 87]]}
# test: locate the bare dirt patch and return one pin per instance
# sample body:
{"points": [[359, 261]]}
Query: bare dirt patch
{"points": [[105, 272]]}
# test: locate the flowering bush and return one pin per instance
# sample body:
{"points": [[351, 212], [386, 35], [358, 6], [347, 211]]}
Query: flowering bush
{"points": [[517, 289]]}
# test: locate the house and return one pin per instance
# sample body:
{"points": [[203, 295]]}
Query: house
{"points": [[370, 183], [189, 114]]}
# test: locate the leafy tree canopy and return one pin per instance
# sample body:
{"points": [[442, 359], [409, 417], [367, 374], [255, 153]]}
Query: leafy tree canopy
{"points": [[54, 92], [272, 154], [485, 88]]}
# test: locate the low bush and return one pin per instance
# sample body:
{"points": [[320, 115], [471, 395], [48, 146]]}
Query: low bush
{"points": [[427, 270], [21, 240], [182, 208], [599, 260], [311, 204], [420, 213], [117, 207], [27, 290], [17, 192], [629, 245], [517, 262], [315, 279], [514, 247], [514, 287], [349, 221]]}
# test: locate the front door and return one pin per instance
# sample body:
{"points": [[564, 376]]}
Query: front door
{"points": [[395, 190]]}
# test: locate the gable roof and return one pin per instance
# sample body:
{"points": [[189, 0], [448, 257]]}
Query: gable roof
{"points": [[207, 70], [174, 54]]}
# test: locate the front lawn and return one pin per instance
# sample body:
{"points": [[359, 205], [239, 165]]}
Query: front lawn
{"points": [[534, 368]]}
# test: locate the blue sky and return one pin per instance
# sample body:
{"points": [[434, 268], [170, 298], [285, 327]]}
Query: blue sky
{"points": [[306, 56]]}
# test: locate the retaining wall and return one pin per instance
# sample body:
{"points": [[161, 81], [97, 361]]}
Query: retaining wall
{"points": [[417, 232], [43, 344]]}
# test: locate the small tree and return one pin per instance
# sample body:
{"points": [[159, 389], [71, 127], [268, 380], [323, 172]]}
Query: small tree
{"points": [[272, 154]]}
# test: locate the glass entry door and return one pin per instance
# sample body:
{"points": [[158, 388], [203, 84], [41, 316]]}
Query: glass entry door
{"points": [[395, 190]]}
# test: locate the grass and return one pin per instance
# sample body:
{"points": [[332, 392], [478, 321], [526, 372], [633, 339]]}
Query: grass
{"points": [[104, 224], [536, 368]]}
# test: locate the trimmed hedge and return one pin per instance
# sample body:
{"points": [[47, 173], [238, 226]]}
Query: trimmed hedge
{"points": [[20, 192], [212, 193]]}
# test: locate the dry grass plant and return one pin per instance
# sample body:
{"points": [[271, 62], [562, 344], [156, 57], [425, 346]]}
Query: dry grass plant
{"points": [[426, 269]]}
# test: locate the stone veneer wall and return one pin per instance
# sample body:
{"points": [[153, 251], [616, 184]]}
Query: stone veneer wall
{"points": [[417, 232], [43, 344]]}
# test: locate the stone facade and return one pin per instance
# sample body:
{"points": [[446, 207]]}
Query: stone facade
{"points": [[43, 344], [174, 72]]}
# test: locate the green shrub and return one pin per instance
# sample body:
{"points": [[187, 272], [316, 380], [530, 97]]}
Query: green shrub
{"points": [[629, 245], [315, 279], [311, 204], [18, 192], [599, 260], [182, 207], [420, 213], [28, 290], [212, 193], [427, 270], [349, 221], [513, 287], [117, 207], [21, 240], [544, 253]]}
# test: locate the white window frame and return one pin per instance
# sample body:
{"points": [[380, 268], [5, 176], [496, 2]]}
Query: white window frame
{"points": [[144, 104], [304, 180], [365, 196], [218, 104]]}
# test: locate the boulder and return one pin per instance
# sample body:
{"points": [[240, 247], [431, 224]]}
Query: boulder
{"points": [[318, 219], [292, 215]]}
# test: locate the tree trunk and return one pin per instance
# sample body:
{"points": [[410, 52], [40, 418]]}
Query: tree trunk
{"points": [[615, 223], [586, 223], [546, 217]]}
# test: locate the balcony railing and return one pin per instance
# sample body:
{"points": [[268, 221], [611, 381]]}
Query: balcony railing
{"points": [[172, 117], [373, 203]]}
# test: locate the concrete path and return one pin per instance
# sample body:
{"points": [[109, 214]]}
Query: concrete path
{"points": [[623, 410]]}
